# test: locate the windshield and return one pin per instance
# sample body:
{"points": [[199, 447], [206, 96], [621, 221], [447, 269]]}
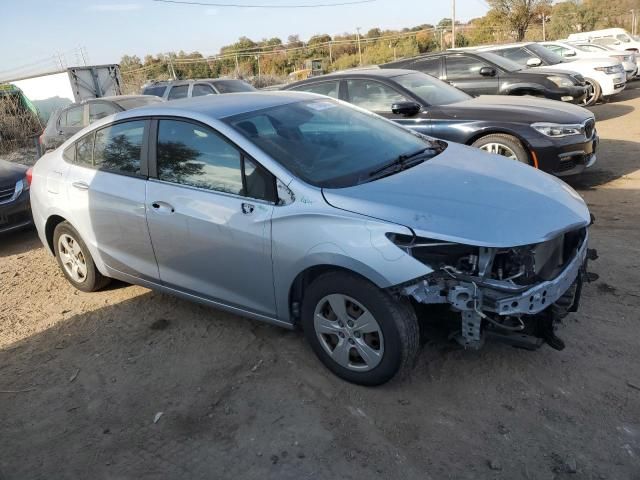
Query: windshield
{"points": [[547, 56], [430, 89], [503, 63], [233, 86], [325, 143]]}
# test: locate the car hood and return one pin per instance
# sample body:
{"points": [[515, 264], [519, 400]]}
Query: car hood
{"points": [[517, 109], [10, 173], [472, 197]]}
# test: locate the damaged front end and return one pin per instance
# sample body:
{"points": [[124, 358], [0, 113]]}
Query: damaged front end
{"points": [[514, 295]]}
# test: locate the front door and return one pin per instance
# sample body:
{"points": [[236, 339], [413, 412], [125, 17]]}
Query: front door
{"points": [[463, 72], [209, 215], [106, 189]]}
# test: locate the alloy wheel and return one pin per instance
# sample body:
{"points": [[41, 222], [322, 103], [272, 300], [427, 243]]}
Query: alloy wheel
{"points": [[499, 149], [348, 332], [72, 258]]}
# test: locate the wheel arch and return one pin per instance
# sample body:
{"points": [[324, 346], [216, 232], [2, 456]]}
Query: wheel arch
{"points": [[307, 276], [50, 226]]}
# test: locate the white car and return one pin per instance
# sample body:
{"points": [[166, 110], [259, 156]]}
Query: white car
{"points": [[618, 38], [576, 50], [604, 77], [629, 58]]}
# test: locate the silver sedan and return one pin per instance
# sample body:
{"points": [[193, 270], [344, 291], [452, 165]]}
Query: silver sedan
{"points": [[300, 210]]}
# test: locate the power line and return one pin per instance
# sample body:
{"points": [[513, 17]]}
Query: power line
{"points": [[240, 5]]}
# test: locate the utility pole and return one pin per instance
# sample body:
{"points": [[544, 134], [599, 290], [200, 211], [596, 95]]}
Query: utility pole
{"points": [[237, 65], [453, 24], [395, 57], [634, 21], [544, 27], [330, 52], [359, 49], [258, 59]]}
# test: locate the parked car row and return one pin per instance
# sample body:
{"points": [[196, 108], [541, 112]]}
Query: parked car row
{"points": [[344, 205]]}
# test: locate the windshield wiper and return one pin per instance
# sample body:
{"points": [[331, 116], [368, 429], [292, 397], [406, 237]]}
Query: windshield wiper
{"points": [[401, 162]]}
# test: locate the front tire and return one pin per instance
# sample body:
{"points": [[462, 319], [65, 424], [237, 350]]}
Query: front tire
{"points": [[75, 260], [358, 331], [505, 145], [594, 93]]}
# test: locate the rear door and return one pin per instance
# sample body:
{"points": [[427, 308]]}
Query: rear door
{"points": [[463, 72], [209, 215], [70, 122], [378, 97], [106, 187]]}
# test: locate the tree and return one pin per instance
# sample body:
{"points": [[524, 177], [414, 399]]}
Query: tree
{"points": [[519, 14]]}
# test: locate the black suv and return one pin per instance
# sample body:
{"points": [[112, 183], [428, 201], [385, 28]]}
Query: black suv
{"points": [[485, 73]]}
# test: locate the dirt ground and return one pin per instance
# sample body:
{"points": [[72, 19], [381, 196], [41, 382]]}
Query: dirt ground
{"points": [[84, 378]]}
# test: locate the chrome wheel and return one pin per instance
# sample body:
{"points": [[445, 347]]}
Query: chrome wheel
{"points": [[592, 94], [348, 332], [499, 149], [72, 258]]}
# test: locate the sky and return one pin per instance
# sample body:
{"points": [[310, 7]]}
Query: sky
{"points": [[40, 32]]}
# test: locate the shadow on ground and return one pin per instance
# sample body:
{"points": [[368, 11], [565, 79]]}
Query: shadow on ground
{"points": [[19, 242]]}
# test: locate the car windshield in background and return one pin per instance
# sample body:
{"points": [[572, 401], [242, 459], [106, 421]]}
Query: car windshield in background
{"points": [[328, 144], [545, 54], [129, 103], [502, 62], [233, 86], [430, 89]]}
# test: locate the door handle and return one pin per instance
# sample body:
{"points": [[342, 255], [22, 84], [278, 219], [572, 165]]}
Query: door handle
{"points": [[162, 207], [247, 208], [80, 185]]}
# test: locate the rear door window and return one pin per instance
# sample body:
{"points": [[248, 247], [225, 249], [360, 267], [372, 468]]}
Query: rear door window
{"points": [[202, 89], [430, 66], [518, 55], [179, 91], [118, 148], [98, 110], [84, 151], [73, 117]]}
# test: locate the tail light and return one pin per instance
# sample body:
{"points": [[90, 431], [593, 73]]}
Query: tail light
{"points": [[29, 176]]}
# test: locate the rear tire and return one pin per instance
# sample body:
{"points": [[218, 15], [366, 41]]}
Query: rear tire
{"points": [[505, 145], [594, 93], [75, 260], [358, 331]]}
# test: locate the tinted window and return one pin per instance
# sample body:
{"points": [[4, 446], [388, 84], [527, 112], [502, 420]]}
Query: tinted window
{"points": [[179, 91], [518, 55], [74, 117], [429, 65], [118, 148], [432, 90], [158, 91], [373, 95], [201, 89], [84, 151], [98, 110], [326, 143], [233, 86], [193, 155], [329, 89], [463, 66]]}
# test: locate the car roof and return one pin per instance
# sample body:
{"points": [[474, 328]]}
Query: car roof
{"points": [[370, 72], [502, 46], [221, 106], [112, 98], [161, 83]]}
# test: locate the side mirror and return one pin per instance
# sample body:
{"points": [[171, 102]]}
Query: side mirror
{"points": [[569, 53], [488, 72], [407, 109], [534, 62]]}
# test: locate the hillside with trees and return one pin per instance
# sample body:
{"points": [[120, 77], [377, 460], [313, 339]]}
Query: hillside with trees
{"points": [[272, 60]]}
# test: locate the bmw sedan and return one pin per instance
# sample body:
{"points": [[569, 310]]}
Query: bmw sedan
{"points": [[555, 137], [299, 210]]}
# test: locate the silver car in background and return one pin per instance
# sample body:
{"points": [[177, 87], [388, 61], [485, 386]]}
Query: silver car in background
{"points": [[297, 209]]}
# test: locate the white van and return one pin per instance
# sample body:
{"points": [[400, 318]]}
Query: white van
{"points": [[623, 41]]}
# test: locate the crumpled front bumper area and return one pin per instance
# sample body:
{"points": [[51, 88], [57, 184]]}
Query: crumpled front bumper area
{"points": [[522, 315]]}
